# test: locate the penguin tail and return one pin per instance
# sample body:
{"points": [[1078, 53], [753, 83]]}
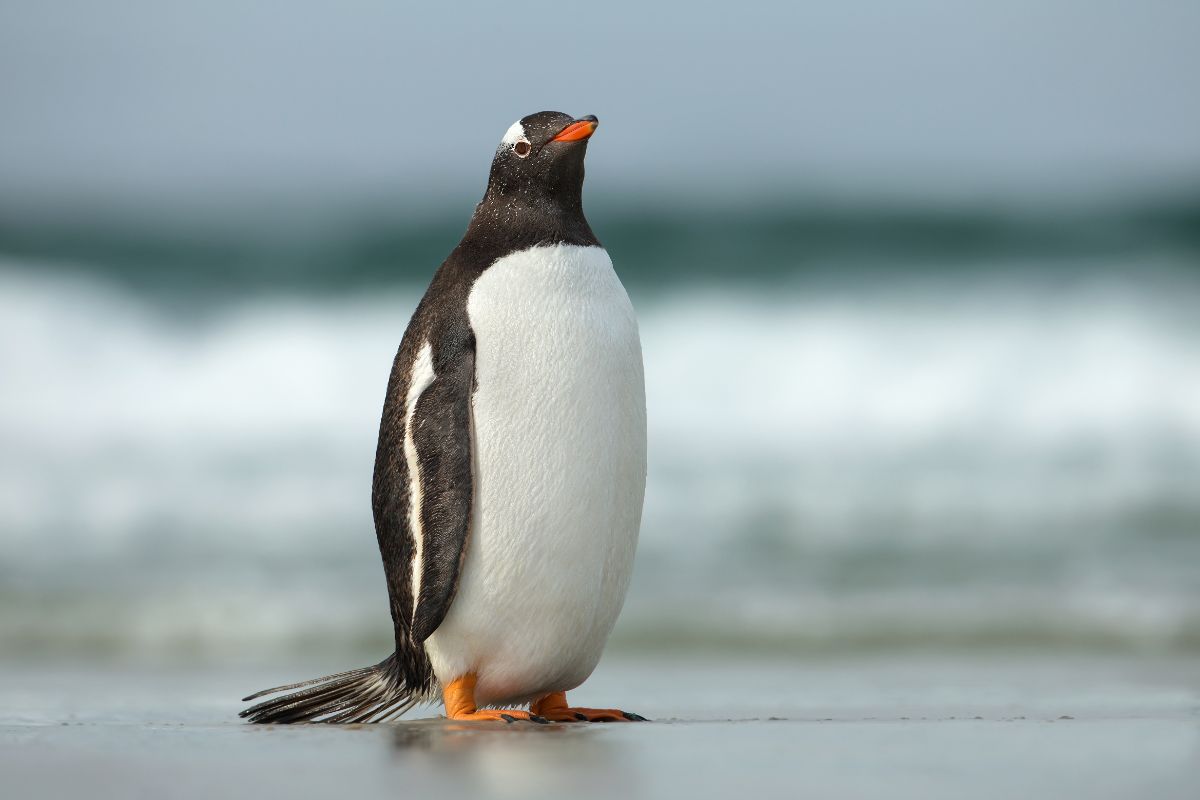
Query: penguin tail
{"points": [[369, 694]]}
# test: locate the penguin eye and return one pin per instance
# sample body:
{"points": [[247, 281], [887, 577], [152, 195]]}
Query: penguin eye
{"points": [[522, 148]]}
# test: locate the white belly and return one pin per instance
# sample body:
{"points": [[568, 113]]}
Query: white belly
{"points": [[559, 418]]}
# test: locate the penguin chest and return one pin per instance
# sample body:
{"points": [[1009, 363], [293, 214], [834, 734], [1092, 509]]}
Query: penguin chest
{"points": [[560, 464]]}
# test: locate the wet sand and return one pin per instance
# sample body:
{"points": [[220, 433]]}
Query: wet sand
{"points": [[908, 727]]}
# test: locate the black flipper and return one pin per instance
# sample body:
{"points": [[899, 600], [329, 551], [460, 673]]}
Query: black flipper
{"points": [[442, 439]]}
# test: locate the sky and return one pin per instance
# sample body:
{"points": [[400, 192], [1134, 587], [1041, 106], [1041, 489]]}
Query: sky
{"points": [[144, 101]]}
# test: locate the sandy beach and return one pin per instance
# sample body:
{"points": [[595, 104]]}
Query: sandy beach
{"points": [[909, 727]]}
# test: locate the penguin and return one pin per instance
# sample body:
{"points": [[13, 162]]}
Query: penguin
{"points": [[511, 464]]}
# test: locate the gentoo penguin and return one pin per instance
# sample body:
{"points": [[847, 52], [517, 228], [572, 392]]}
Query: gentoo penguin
{"points": [[511, 463]]}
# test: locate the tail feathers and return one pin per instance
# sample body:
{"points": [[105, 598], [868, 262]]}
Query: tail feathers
{"points": [[369, 694]]}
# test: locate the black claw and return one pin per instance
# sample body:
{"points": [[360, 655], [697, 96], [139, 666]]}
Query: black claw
{"points": [[538, 720], [581, 717], [509, 718], [629, 715]]}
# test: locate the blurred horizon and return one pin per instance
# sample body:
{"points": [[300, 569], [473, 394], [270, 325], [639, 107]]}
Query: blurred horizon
{"points": [[136, 103], [917, 287]]}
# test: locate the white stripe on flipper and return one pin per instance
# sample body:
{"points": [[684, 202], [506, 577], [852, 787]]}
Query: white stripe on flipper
{"points": [[422, 376]]}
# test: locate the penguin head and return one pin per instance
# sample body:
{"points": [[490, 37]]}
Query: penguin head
{"points": [[541, 158]]}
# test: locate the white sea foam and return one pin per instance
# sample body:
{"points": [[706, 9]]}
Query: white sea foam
{"points": [[828, 458]]}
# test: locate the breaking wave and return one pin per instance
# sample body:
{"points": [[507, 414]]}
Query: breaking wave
{"points": [[879, 461]]}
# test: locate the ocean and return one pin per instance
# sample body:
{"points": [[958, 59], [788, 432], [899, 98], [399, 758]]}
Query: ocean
{"points": [[873, 427]]}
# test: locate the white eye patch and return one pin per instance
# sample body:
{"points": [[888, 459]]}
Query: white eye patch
{"points": [[514, 134]]}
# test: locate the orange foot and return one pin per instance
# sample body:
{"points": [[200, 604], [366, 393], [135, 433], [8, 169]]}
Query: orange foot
{"points": [[459, 697], [554, 708]]}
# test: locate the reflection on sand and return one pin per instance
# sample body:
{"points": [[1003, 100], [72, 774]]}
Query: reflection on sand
{"points": [[521, 756]]}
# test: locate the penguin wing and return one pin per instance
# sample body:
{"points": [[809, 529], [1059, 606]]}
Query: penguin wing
{"points": [[422, 493]]}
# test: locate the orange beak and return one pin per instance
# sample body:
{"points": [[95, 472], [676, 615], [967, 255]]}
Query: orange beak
{"points": [[578, 130]]}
